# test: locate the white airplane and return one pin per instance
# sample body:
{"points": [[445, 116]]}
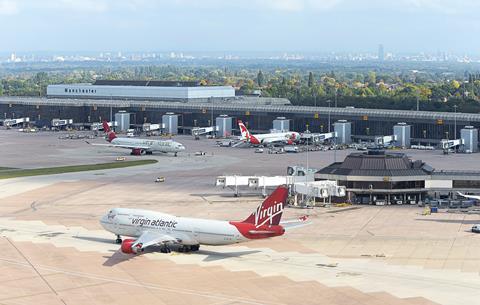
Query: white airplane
{"points": [[476, 197], [140, 146], [268, 138], [153, 228]]}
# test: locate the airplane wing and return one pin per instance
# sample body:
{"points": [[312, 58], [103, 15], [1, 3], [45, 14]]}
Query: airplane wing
{"points": [[275, 140], [295, 223], [149, 238], [477, 197], [120, 146]]}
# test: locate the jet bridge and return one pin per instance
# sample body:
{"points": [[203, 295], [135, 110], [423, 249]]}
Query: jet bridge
{"points": [[257, 182], [149, 127], [198, 131], [317, 189], [449, 145], [61, 122], [9, 123], [385, 140], [318, 137]]}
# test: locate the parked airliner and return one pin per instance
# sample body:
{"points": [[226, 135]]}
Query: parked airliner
{"points": [[153, 228], [268, 138], [476, 197], [141, 146]]}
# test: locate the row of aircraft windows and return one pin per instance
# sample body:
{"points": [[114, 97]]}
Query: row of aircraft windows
{"points": [[80, 90]]}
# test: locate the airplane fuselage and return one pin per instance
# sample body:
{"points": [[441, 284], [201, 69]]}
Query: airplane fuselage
{"points": [[266, 138], [165, 146], [186, 231]]}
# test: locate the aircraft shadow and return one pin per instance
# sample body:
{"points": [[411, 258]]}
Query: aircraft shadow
{"points": [[215, 256], [96, 239], [117, 258]]}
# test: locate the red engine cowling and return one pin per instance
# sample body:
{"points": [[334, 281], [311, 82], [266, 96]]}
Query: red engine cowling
{"points": [[127, 246], [138, 151]]}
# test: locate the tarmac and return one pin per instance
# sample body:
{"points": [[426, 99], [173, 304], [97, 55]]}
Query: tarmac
{"points": [[54, 250]]}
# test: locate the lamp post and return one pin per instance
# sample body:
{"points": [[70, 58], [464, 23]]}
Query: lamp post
{"points": [[308, 140], [329, 102], [336, 89], [212, 122], [455, 122], [418, 103]]}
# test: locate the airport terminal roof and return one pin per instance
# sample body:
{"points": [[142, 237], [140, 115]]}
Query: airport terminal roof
{"points": [[146, 83], [235, 104], [377, 163]]}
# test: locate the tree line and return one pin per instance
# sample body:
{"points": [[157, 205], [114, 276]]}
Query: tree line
{"points": [[394, 89]]}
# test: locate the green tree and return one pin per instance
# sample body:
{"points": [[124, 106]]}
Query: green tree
{"points": [[310, 80], [371, 79], [260, 79]]}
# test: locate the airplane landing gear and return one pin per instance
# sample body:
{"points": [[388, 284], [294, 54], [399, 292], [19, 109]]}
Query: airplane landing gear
{"points": [[118, 240], [165, 249], [176, 154], [195, 247], [184, 248]]}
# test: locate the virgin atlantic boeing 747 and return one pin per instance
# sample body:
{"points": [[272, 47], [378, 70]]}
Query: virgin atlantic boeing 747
{"points": [[153, 228]]}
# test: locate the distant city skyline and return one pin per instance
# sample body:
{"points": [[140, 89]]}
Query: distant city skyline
{"points": [[318, 26]]}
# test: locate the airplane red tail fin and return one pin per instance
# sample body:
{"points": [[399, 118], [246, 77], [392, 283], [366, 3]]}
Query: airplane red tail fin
{"points": [[271, 209], [110, 134], [244, 130], [106, 128]]}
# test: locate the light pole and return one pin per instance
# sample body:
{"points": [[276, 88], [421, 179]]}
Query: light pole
{"points": [[418, 100], [329, 102], [308, 140], [455, 123], [336, 89]]}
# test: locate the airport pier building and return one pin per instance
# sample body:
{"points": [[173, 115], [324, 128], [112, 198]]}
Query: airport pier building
{"points": [[198, 106], [141, 90], [379, 177]]}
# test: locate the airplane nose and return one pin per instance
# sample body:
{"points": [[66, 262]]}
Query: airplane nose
{"points": [[104, 220]]}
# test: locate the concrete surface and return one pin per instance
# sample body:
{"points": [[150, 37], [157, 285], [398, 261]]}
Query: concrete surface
{"points": [[55, 252]]}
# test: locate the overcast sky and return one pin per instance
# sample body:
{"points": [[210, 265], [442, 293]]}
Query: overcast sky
{"points": [[240, 25]]}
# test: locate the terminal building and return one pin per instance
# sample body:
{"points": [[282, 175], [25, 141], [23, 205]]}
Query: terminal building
{"points": [[379, 177], [141, 90], [198, 106]]}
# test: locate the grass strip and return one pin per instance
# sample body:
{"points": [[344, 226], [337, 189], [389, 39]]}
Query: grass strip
{"points": [[2, 168], [7, 174]]}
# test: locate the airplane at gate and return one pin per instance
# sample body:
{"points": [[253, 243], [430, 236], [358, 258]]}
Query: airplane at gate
{"points": [[476, 197], [140, 146], [153, 228], [268, 138]]}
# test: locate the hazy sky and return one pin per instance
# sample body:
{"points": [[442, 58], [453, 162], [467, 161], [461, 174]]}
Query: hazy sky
{"points": [[240, 25]]}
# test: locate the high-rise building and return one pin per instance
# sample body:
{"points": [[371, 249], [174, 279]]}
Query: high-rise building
{"points": [[381, 52]]}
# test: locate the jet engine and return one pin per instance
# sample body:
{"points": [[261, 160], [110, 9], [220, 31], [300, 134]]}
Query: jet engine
{"points": [[138, 151], [127, 247]]}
